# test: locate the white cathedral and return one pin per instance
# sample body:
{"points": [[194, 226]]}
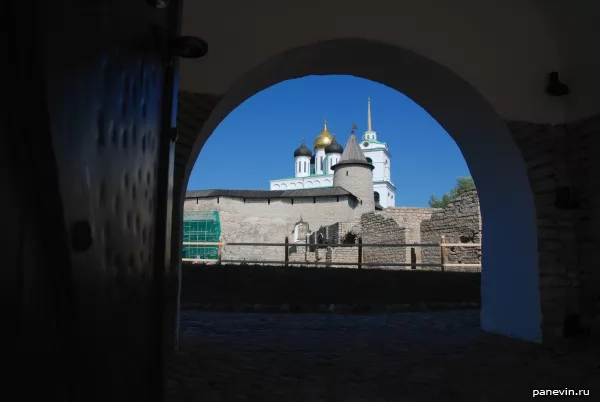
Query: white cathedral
{"points": [[313, 171]]}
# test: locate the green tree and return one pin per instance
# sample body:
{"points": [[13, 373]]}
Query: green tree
{"points": [[462, 185]]}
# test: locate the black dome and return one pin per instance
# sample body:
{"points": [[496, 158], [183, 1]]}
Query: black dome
{"points": [[302, 151], [334, 147]]}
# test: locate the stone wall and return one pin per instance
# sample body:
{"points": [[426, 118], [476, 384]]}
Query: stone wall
{"points": [[581, 201], [325, 254], [336, 233], [193, 111], [377, 228], [264, 221], [563, 169], [305, 286], [373, 228], [459, 222], [410, 219]]}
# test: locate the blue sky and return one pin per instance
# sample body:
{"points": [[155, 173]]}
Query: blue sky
{"points": [[256, 142]]}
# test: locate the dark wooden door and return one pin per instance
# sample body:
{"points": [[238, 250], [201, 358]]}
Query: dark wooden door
{"points": [[90, 254]]}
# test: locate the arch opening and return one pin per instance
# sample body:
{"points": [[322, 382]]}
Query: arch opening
{"points": [[509, 288]]}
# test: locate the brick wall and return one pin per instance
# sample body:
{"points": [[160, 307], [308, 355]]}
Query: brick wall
{"points": [[459, 222]]}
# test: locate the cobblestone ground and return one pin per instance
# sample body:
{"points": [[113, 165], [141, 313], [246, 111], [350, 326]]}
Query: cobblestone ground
{"points": [[426, 356]]}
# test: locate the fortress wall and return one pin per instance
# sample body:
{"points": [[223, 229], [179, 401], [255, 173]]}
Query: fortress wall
{"points": [[379, 229], [459, 222], [261, 221], [258, 221], [410, 219]]}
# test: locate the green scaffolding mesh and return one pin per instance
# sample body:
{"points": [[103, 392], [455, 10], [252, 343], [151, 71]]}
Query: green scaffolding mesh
{"points": [[201, 226]]}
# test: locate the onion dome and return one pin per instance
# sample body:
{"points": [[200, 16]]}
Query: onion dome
{"points": [[334, 147], [302, 150], [324, 138]]}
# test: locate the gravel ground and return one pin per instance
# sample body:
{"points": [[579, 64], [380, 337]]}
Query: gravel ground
{"points": [[424, 356]]}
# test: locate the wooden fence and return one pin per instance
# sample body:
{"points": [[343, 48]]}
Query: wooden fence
{"points": [[442, 245]]}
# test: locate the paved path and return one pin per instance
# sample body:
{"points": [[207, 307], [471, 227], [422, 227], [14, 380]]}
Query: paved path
{"points": [[433, 356]]}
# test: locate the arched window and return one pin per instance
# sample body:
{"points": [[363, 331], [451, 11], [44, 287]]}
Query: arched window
{"points": [[376, 195], [300, 231], [321, 163], [304, 166]]}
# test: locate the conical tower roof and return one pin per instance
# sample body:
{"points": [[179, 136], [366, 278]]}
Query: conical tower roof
{"points": [[352, 154]]}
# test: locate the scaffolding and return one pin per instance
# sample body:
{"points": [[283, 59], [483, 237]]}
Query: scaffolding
{"points": [[201, 226]]}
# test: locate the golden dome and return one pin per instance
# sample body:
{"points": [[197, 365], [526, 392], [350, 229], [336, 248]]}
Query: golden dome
{"points": [[324, 138]]}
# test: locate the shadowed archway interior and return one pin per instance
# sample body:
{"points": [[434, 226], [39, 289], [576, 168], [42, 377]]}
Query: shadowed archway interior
{"points": [[510, 292]]}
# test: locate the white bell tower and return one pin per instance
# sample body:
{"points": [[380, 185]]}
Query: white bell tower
{"points": [[378, 155]]}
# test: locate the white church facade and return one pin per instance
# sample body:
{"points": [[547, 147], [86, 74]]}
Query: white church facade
{"points": [[316, 170]]}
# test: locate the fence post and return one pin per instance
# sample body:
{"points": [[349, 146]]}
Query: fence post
{"points": [[306, 248], [360, 255], [220, 252], [413, 258], [287, 251], [443, 251]]}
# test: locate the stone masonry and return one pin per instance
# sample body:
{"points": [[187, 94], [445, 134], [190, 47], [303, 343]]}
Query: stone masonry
{"points": [[268, 221], [386, 227], [193, 111], [330, 234], [373, 228], [389, 226], [380, 229], [459, 222], [325, 254], [563, 166], [410, 219]]}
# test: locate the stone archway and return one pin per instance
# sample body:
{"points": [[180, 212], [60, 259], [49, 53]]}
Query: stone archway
{"points": [[510, 283]]}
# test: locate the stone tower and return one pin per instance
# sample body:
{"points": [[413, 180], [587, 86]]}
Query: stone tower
{"points": [[355, 174]]}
